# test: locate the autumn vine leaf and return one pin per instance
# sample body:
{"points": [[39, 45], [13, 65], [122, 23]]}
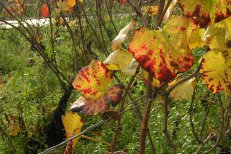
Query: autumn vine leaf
{"points": [[72, 124], [101, 104], [93, 80], [216, 72], [184, 90], [121, 60], [164, 53], [205, 12]]}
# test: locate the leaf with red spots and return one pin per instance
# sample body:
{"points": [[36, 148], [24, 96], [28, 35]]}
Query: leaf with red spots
{"points": [[164, 53], [216, 72], [93, 80], [72, 124], [94, 106], [205, 12]]}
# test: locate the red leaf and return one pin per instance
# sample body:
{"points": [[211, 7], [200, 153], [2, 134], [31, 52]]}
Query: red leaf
{"points": [[69, 149], [44, 10], [122, 2]]}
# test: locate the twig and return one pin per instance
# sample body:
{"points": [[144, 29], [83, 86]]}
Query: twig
{"points": [[222, 126], [144, 124], [136, 8], [190, 117], [204, 142], [93, 30], [95, 140], [165, 131], [122, 109], [205, 118], [51, 34]]}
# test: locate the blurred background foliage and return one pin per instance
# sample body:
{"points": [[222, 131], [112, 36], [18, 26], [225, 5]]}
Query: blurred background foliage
{"points": [[30, 91]]}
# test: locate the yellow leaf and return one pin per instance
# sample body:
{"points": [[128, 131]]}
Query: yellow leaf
{"points": [[121, 60], [195, 39], [215, 70], [184, 90], [215, 37], [72, 124], [226, 24], [14, 129]]}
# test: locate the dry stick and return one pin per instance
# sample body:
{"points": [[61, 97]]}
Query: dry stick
{"points": [[165, 131], [75, 136], [122, 109], [221, 128]]}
